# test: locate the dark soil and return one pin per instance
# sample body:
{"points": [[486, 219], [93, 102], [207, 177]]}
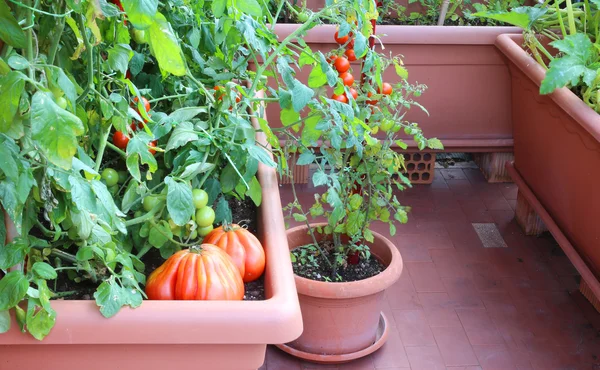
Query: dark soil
{"points": [[320, 271], [243, 212]]}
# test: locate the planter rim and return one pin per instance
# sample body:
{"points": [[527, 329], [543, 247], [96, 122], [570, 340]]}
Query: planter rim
{"points": [[353, 289], [275, 320], [510, 46], [394, 35]]}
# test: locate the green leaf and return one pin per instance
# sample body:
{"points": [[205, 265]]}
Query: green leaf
{"points": [[39, 321], [194, 169], [261, 155], [255, 191], [186, 114], [299, 217], [218, 7], [301, 95], [573, 67], [13, 287], [289, 116], [319, 178], [524, 16], [119, 56], [4, 321], [222, 211], [179, 201], [368, 235], [110, 297], [136, 63], [305, 158], [165, 47], [55, 129], [140, 12], [10, 31], [84, 254], [18, 62], [159, 234], [400, 70], [250, 7], [182, 134], [137, 149], [435, 143], [317, 77], [44, 271], [11, 88]]}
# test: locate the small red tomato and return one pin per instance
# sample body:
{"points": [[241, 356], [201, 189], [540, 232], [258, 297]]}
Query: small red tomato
{"points": [[350, 55], [372, 102], [350, 44], [342, 64], [152, 144], [353, 258], [340, 40], [347, 78], [145, 103], [128, 75], [386, 89], [120, 140], [341, 98], [354, 93], [332, 58]]}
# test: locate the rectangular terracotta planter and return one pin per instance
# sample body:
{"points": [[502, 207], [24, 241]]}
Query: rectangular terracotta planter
{"points": [[468, 95], [179, 335], [557, 152]]}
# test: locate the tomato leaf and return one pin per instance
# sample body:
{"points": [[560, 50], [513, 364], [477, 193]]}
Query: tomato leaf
{"points": [[140, 12], [137, 149], [305, 158], [10, 31], [44, 271], [317, 77], [182, 134], [222, 211], [119, 56], [13, 252], [4, 321], [165, 47], [55, 129], [11, 88], [179, 201], [250, 7], [13, 287], [110, 297], [301, 95], [255, 191], [261, 155], [40, 320], [159, 234]]}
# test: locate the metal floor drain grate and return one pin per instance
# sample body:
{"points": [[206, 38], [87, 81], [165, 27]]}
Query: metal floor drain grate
{"points": [[489, 235]]}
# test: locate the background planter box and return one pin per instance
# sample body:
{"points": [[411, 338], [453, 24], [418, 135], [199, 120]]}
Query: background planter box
{"points": [[557, 153], [215, 335], [468, 95]]}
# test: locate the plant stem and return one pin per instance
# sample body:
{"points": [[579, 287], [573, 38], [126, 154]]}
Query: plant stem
{"points": [[29, 38], [90, 59], [64, 255], [60, 26], [143, 251], [114, 148], [572, 28], [63, 294], [102, 147]]}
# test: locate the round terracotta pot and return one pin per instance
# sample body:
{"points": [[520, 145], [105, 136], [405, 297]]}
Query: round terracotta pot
{"points": [[343, 318]]}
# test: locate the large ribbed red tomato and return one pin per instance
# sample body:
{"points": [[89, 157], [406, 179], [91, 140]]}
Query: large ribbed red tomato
{"points": [[203, 272], [243, 247]]}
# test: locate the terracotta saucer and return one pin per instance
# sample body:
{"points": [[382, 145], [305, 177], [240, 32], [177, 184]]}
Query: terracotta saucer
{"points": [[382, 335]]}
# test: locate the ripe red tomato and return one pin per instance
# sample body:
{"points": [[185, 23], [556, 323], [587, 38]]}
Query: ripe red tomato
{"points": [[152, 144], [347, 78], [332, 58], [342, 64], [372, 102], [202, 272], [145, 103], [341, 98], [128, 75], [354, 93], [120, 140], [350, 44], [350, 55], [243, 247], [220, 91], [386, 89], [340, 40]]}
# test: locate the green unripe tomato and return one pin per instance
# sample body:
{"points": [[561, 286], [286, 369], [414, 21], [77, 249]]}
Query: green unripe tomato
{"points": [[200, 198], [138, 214], [110, 177], [149, 202], [375, 130], [62, 102], [123, 175], [194, 234], [396, 127], [139, 36], [303, 17], [113, 189], [386, 125], [205, 217], [203, 231]]}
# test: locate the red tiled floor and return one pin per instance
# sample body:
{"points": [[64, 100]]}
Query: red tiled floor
{"points": [[460, 306]]}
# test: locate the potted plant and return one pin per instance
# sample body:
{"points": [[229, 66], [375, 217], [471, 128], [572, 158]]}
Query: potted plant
{"points": [[468, 98], [128, 132], [343, 266], [555, 109]]}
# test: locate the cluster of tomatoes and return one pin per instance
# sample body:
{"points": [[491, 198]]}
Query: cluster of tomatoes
{"points": [[342, 66], [121, 139]]}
